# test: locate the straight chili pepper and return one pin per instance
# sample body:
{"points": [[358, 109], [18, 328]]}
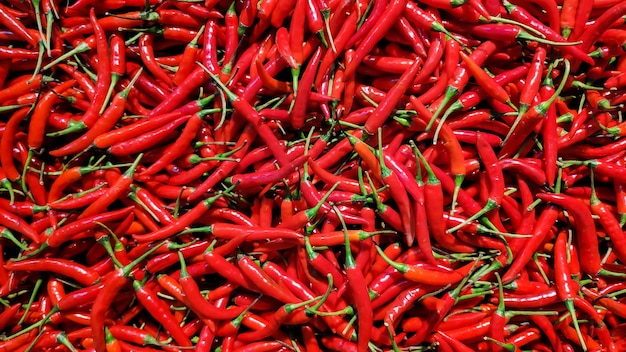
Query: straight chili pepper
{"points": [[357, 288], [564, 286]]}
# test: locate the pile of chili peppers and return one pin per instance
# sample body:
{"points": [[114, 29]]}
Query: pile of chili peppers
{"points": [[308, 175]]}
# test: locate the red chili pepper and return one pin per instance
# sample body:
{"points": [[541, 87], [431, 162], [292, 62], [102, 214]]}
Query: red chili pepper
{"points": [[583, 11], [378, 31], [80, 273], [460, 78], [610, 224], [431, 214], [486, 82], [160, 312], [529, 120], [36, 127], [264, 283], [185, 220], [384, 109], [568, 17], [591, 33], [586, 242], [298, 110], [11, 22], [104, 123], [196, 300], [521, 15], [564, 284]]}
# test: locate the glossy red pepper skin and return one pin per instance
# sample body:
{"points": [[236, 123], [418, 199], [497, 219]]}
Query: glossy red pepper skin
{"points": [[586, 238]]}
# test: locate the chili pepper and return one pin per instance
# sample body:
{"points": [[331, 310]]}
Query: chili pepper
{"points": [[528, 121], [401, 304], [148, 59], [485, 81], [380, 28], [531, 87], [118, 64], [424, 273], [17, 26], [108, 119], [252, 116], [586, 243], [259, 279], [121, 185], [160, 311], [198, 303], [564, 282], [7, 143], [496, 179], [185, 220], [36, 126], [454, 344], [459, 79], [407, 30], [583, 10], [523, 16], [384, 109], [80, 273], [602, 23], [609, 223], [431, 215], [357, 288]]}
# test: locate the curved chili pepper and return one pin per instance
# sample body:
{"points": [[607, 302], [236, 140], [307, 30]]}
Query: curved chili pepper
{"points": [[78, 272], [586, 238], [460, 78], [378, 31], [384, 109], [198, 303], [523, 16], [108, 119], [37, 124], [528, 121], [185, 220]]}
